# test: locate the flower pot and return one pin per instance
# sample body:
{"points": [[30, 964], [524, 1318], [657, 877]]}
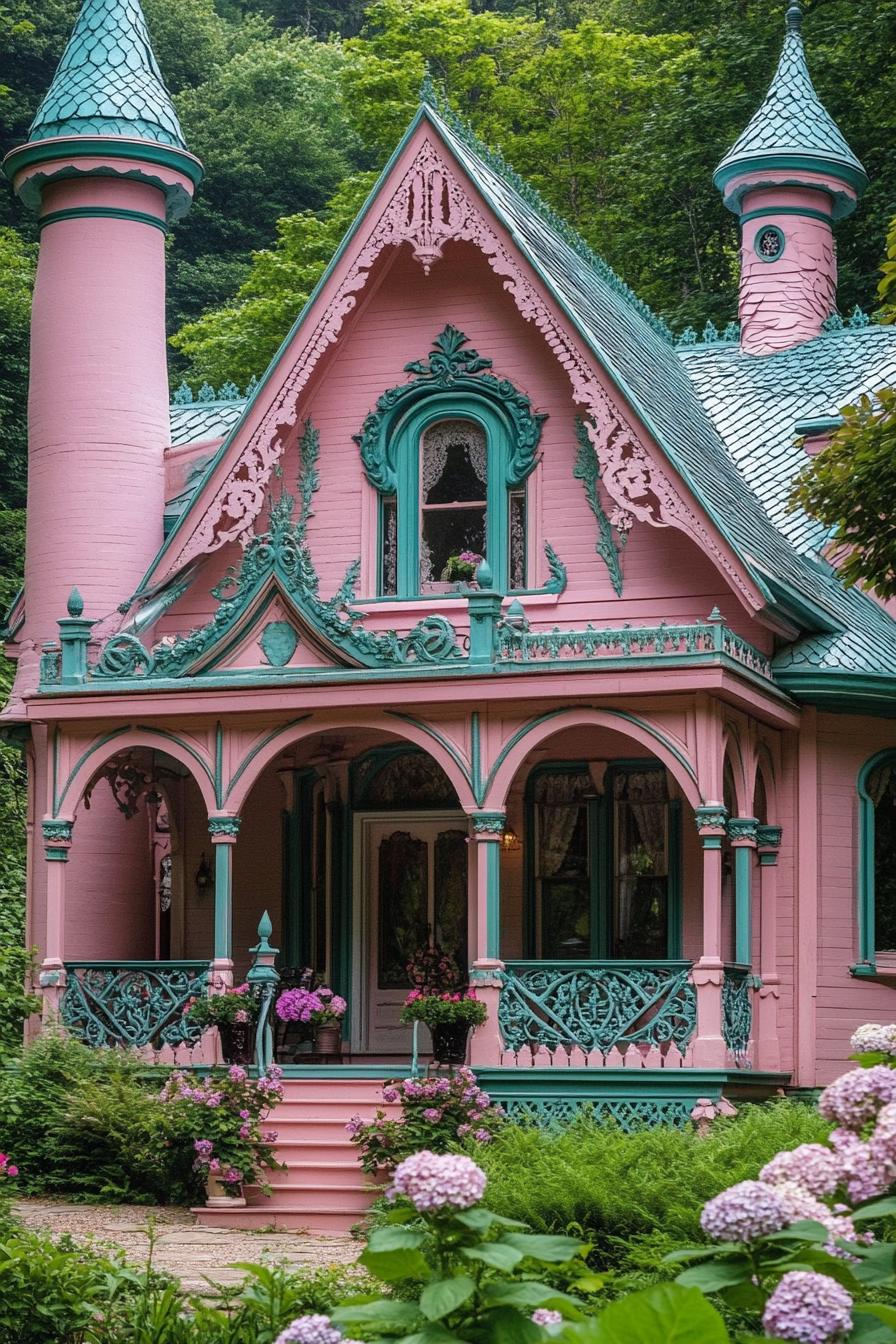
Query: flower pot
{"points": [[237, 1042], [328, 1039], [219, 1196], [449, 1042]]}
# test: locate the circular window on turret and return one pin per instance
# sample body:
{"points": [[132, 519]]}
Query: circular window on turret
{"points": [[769, 243]]}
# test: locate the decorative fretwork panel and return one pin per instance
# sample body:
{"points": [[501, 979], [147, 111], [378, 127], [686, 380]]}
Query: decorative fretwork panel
{"points": [[737, 1014], [132, 1003], [597, 1006], [636, 1113]]}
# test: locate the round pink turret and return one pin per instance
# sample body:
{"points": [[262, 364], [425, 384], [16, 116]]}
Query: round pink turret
{"points": [[788, 177], [106, 169]]}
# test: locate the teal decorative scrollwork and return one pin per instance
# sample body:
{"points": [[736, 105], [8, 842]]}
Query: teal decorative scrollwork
{"points": [[610, 541], [557, 582], [628, 1114], [132, 1004], [449, 366], [597, 1005], [737, 1014], [123, 656]]}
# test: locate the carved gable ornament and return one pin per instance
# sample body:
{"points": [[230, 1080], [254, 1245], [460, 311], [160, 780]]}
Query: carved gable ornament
{"points": [[449, 368], [425, 207]]}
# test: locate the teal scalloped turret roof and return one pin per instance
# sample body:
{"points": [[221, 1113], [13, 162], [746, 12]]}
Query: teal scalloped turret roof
{"points": [[108, 82], [792, 128]]}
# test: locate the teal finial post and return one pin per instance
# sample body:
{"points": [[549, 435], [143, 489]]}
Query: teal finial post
{"points": [[794, 17], [484, 605], [74, 636], [264, 978]]}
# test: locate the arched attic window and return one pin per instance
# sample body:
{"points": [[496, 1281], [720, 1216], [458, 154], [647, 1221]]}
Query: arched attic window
{"points": [[877, 857], [449, 455]]}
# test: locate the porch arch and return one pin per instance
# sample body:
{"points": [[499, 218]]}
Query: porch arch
{"points": [[532, 734], [127, 739], [733, 754], [274, 743]]}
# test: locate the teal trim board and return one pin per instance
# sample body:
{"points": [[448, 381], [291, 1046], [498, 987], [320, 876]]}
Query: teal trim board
{"points": [[102, 212]]}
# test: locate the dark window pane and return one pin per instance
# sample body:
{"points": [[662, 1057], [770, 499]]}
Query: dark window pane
{"points": [[516, 559], [389, 576], [408, 780], [450, 873], [454, 463], [641, 878], [320, 881], [403, 884], [447, 532], [882, 792], [563, 866]]}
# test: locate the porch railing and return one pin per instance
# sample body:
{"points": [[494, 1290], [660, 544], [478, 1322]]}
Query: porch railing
{"points": [[737, 1013], [132, 1003], [586, 1009]]}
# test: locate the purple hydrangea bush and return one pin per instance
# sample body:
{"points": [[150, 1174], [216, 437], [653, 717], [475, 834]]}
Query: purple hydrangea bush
{"points": [[436, 1114], [222, 1118]]}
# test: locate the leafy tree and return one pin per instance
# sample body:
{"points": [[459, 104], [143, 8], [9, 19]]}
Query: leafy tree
{"points": [[238, 340], [17, 262]]}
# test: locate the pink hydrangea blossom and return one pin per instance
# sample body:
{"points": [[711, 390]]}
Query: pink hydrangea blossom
{"points": [[799, 1205], [237, 1074], [310, 1330], [873, 1037], [811, 1165], [745, 1211], [545, 1316], [861, 1175], [12, 1169], [811, 1308], [432, 1113], [438, 1181], [855, 1098]]}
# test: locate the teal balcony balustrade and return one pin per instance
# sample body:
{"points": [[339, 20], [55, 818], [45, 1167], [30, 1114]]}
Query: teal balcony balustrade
{"points": [[607, 1007], [737, 1012], [133, 1003]]}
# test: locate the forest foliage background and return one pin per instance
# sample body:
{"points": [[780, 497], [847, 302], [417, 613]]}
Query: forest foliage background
{"points": [[617, 110]]}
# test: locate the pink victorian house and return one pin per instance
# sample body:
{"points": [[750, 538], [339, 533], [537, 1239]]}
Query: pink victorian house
{"points": [[633, 763]]}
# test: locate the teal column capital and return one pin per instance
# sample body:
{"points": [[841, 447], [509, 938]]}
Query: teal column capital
{"points": [[57, 836], [224, 830], [743, 830], [768, 840], [488, 825], [711, 819]]}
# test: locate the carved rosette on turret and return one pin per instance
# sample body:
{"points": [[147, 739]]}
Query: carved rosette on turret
{"points": [[787, 177]]}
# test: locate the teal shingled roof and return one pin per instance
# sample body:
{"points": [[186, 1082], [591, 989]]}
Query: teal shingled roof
{"points": [[792, 122], [108, 82]]}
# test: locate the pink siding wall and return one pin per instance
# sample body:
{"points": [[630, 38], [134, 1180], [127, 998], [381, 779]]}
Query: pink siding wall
{"points": [[844, 744], [666, 576], [110, 910]]}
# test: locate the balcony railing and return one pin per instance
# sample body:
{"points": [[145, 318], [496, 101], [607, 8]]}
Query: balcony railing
{"points": [[132, 1003], [598, 1012], [737, 1013]]}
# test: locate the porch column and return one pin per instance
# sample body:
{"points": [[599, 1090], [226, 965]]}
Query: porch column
{"points": [[768, 1050], [223, 832], [57, 836], [488, 830], [742, 834], [709, 1046]]}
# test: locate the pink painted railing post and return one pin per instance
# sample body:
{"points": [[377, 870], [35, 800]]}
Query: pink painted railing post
{"points": [[485, 978], [768, 1050], [57, 835], [708, 973]]}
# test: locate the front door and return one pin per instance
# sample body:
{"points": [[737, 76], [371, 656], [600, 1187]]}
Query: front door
{"points": [[414, 890]]}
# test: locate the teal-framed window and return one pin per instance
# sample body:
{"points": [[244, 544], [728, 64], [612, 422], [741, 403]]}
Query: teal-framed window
{"points": [[306, 918], [877, 857], [455, 491], [602, 864]]}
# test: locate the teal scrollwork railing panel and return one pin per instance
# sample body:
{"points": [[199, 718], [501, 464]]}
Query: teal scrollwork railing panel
{"points": [[737, 1013], [132, 1003], [597, 1005]]}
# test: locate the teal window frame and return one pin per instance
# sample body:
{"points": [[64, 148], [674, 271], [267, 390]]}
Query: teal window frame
{"points": [[866, 863], [405, 439], [782, 241], [601, 845]]}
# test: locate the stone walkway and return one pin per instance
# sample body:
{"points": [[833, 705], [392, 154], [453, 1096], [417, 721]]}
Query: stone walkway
{"points": [[196, 1255]]}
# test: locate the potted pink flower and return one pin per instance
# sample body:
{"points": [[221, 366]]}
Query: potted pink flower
{"points": [[320, 1009], [234, 1015], [462, 567]]}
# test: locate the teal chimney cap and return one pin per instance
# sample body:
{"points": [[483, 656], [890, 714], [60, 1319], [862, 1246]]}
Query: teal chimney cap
{"points": [[792, 133], [108, 100]]}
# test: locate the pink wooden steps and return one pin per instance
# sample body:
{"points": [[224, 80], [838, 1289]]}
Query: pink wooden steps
{"points": [[323, 1188]]}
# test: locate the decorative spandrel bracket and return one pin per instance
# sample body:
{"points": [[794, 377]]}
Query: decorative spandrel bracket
{"points": [[449, 367], [612, 531]]}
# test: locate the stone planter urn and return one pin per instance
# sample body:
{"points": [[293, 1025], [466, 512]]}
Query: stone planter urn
{"points": [[219, 1196], [328, 1039], [449, 1042], [237, 1042]]}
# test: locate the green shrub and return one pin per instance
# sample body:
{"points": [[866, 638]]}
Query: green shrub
{"points": [[634, 1196], [87, 1123]]}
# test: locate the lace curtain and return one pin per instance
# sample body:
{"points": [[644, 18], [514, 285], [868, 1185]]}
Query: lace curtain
{"points": [[449, 434], [557, 817]]}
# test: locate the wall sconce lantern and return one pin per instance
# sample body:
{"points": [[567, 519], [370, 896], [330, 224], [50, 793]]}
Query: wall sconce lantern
{"points": [[510, 841], [204, 877]]}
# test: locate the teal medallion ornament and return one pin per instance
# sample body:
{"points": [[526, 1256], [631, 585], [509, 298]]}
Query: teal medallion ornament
{"points": [[279, 642]]}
